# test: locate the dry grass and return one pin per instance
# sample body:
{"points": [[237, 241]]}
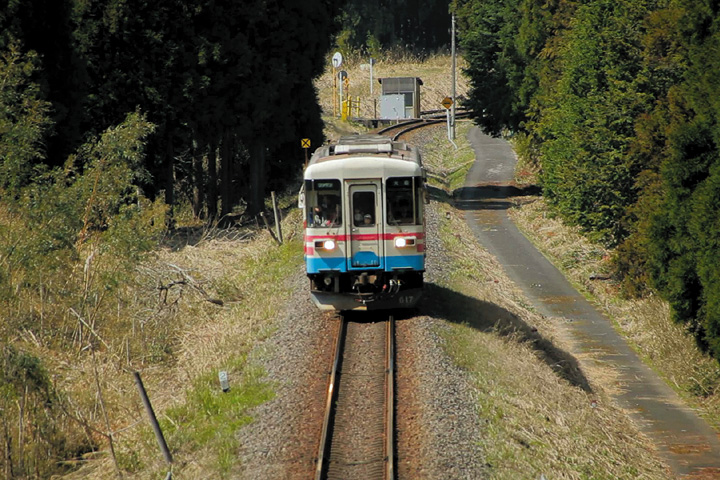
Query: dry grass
{"points": [[199, 422], [447, 167], [543, 414], [645, 322]]}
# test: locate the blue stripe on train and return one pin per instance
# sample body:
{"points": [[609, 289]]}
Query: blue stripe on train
{"points": [[415, 262], [365, 260], [315, 264]]}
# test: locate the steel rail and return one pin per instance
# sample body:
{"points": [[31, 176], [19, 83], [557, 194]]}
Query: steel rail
{"points": [[390, 401], [400, 125], [323, 457], [325, 435], [430, 118], [425, 123], [415, 124]]}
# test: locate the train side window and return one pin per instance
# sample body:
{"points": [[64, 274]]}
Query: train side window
{"points": [[404, 200], [324, 203]]}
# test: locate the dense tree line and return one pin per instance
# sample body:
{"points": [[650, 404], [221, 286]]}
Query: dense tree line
{"points": [[414, 26], [616, 101], [228, 85]]}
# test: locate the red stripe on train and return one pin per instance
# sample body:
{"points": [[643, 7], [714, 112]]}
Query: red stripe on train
{"points": [[310, 250], [364, 236]]}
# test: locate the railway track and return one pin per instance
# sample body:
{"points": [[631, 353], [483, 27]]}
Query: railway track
{"points": [[358, 433], [429, 118]]}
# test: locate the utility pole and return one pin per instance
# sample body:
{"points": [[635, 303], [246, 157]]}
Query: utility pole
{"points": [[452, 48]]}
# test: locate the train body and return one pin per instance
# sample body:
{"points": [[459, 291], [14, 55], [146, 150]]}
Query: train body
{"points": [[363, 200]]}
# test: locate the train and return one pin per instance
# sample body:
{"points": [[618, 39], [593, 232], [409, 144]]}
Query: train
{"points": [[363, 200]]}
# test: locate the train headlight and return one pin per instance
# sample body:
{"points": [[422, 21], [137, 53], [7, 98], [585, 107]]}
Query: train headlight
{"points": [[401, 242], [327, 244]]}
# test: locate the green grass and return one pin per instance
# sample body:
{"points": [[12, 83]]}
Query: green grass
{"points": [[209, 419]]}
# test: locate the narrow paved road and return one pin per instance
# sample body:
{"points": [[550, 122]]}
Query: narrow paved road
{"points": [[684, 440]]}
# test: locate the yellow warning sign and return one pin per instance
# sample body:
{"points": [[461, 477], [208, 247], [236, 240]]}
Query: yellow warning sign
{"points": [[447, 102], [305, 142]]}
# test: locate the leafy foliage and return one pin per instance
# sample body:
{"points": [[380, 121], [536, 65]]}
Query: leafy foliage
{"points": [[23, 120], [587, 125], [106, 108], [71, 241], [618, 100], [213, 76]]}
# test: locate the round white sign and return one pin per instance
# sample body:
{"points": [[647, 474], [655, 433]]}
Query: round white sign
{"points": [[337, 59]]}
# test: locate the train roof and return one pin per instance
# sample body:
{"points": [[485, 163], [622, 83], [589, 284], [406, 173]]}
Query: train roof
{"points": [[365, 145], [364, 155]]}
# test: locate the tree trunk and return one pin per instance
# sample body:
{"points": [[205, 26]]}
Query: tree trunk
{"points": [[212, 190], [198, 180], [8, 452], [169, 175], [256, 197], [226, 173]]}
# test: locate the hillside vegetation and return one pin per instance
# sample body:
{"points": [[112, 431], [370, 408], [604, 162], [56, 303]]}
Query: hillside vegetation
{"points": [[118, 122], [615, 103]]}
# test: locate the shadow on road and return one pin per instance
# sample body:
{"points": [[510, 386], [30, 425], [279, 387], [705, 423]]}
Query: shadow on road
{"points": [[492, 196], [484, 197], [455, 307]]}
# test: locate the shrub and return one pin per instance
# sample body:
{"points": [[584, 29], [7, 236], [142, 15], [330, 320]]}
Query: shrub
{"points": [[71, 241]]}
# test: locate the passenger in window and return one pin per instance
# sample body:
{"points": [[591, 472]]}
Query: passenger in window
{"points": [[333, 216], [318, 216], [367, 219]]}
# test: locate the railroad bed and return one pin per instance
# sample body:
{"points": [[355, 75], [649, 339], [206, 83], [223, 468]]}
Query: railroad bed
{"points": [[434, 117], [357, 439]]}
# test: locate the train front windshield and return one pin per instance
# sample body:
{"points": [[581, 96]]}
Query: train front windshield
{"points": [[404, 200], [323, 203]]}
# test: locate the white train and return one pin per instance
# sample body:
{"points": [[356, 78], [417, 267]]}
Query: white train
{"points": [[363, 200]]}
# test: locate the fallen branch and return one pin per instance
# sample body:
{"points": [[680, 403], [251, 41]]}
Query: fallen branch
{"points": [[92, 330], [188, 280]]}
